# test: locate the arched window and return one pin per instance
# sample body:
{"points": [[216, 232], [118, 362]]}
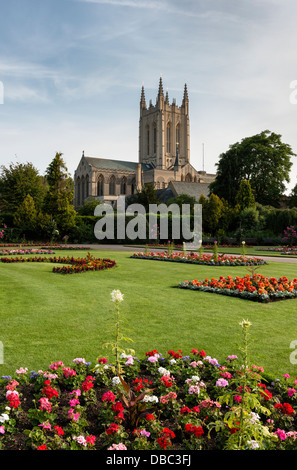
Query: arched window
{"points": [[123, 185], [168, 138], [155, 138], [188, 178], [177, 134], [112, 185], [147, 140], [87, 186], [82, 189], [100, 185]]}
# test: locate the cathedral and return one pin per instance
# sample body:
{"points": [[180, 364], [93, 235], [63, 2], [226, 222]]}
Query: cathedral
{"points": [[163, 160]]}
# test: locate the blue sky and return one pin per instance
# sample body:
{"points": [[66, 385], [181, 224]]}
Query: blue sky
{"points": [[72, 72]]}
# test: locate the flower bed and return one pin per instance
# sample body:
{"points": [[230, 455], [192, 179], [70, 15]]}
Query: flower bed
{"points": [[77, 265], [256, 287], [46, 246], [170, 402], [26, 252], [197, 258]]}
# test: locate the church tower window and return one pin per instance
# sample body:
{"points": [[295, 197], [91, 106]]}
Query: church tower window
{"points": [[168, 138]]}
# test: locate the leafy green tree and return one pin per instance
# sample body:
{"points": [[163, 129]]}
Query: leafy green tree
{"points": [[245, 197], [211, 214], [148, 195], [88, 207], [16, 182], [263, 160], [25, 216], [59, 198]]}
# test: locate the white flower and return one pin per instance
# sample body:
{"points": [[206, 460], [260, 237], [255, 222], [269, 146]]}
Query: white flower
{"points": [[253, 444], [195, 378], [254, 418], [163, 371], [150, 398], [115, 381], [4, 417], [172, 361], [117, 296]]}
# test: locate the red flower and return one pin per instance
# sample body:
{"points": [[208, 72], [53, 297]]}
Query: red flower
{"points": [[200, 353], [49, 391], [166, 381], [108, 396], [14, 400], [91, 440], [151, 353], [150, 417], [88, 383], [196, 430], [112, 428], [164, 439], [174, 354], [59, 430], [42, 447], [185, 409]]}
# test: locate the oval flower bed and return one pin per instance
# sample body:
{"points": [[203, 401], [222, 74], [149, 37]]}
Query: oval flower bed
{"points": [[197, 258], [256, 287], [171, 402], [77, 265]]}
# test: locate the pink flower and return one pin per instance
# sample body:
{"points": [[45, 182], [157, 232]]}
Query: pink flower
{"points": [[281, 434], [74, 401], [152, 359], [221, 383], [56, 365], [291, 391], [286, 376], [72, 415], [129, 361], [45, 404], [119, 446], [46, 425], [2, 430]]}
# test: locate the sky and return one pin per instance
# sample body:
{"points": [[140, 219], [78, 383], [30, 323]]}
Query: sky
{"points": [[71, 73]]}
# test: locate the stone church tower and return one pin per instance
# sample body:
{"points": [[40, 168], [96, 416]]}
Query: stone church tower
{"points": [[164, 131], [163, 158]]}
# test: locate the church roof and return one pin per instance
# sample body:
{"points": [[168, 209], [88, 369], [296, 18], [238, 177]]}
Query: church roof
{"points": [[115, 165], [191, 189]]}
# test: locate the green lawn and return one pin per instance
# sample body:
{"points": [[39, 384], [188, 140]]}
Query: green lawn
{"points": [[47, 317]]}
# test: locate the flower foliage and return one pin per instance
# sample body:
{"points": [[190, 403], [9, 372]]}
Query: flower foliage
{"points": [[201, 258], [172, 401], [252, 287]]}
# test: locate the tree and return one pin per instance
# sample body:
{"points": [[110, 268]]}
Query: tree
{"points": [[245, 197], [148, 195], [263, 160], [212, 212], [25, 216], [16, 182], [88, 207], [59, 198]]}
